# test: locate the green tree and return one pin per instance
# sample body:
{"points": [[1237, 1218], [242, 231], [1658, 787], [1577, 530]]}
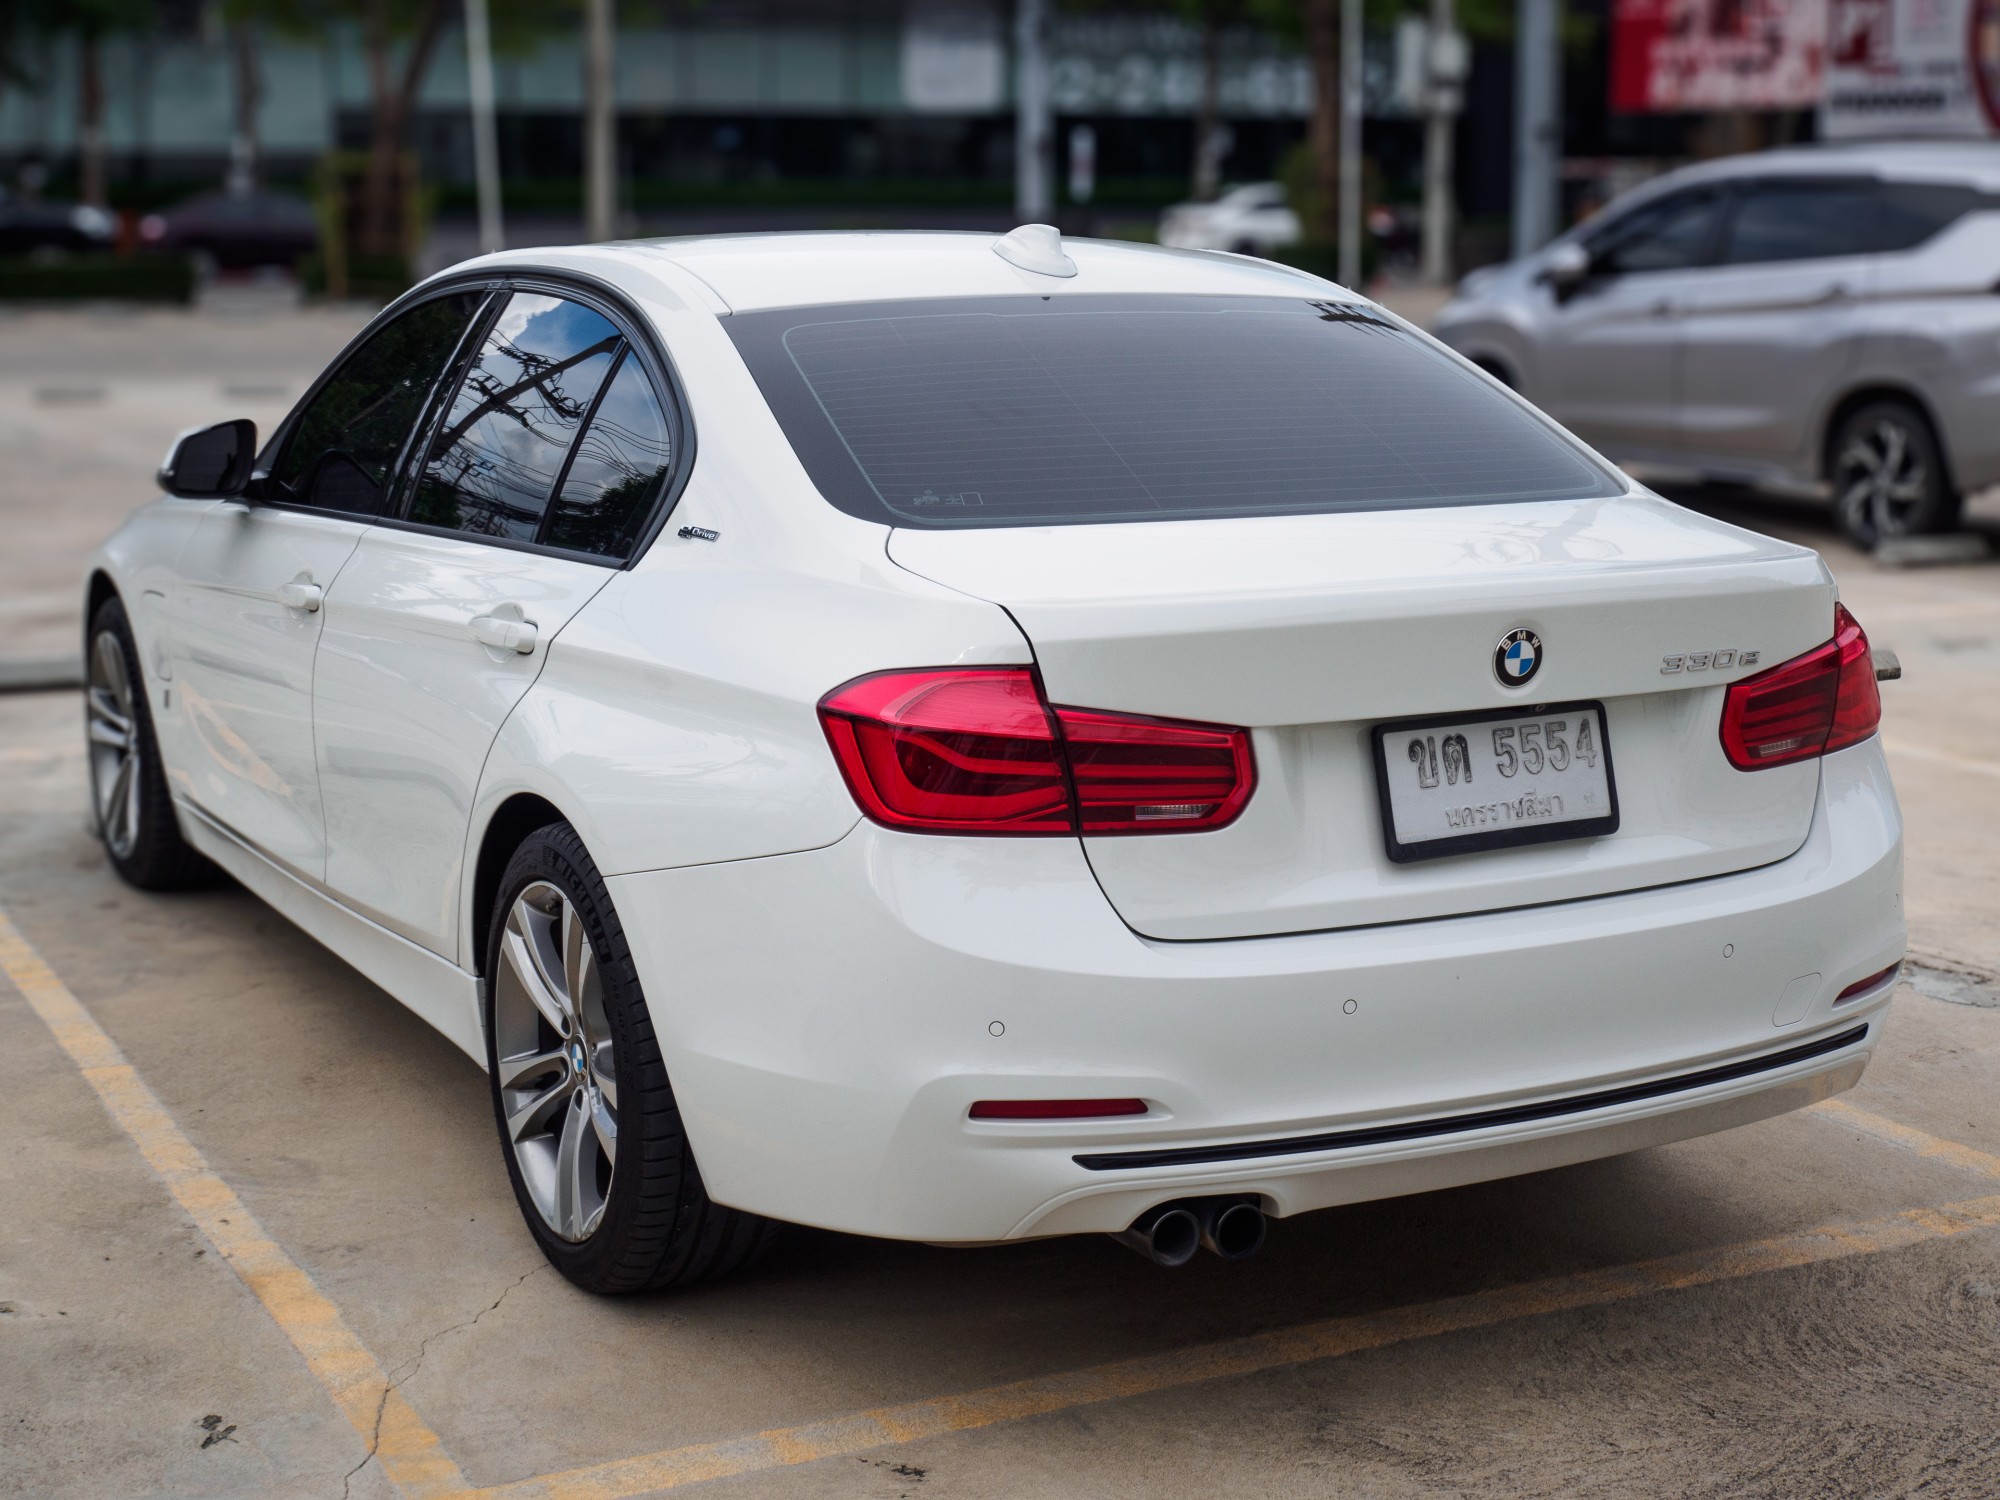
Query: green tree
{"points": [[89, 23]]}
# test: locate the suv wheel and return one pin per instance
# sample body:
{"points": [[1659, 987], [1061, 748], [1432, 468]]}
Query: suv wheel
{"points": [[133, 810], [1888, 474], [600, 1165]]}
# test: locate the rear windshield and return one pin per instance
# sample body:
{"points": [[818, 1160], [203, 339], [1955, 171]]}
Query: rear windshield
{"points": [[1026, 411]]}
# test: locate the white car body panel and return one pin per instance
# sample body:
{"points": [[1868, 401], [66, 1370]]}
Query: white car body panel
{"points": [[831, 995], [817, 1089], [406, 705], [1311, 629], [243, 668], [439, 991]]}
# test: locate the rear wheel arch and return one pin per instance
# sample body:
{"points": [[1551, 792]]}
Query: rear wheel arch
{"points": [[99, 589], [512, 821]]}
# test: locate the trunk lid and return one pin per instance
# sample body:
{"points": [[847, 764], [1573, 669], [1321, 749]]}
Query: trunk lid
{"points": [[1311, 630]]}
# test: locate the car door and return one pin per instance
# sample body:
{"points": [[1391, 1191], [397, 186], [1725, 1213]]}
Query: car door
{"points": [[1774, 324], [1607, 360], [535, 482], [246, 605]]}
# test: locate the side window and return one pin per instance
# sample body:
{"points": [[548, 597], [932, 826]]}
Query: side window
{"points": [[347, 440], [497, 456], [1802, 221], [620, 464], [1911, 212], [1669, 235]]}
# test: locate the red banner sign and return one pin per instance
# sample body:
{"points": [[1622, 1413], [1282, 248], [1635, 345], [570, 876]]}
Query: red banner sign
{"points": [[1673, 55]]}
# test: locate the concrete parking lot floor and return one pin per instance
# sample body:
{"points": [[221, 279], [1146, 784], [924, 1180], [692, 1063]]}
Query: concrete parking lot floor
{"points": [[243, 1194]]}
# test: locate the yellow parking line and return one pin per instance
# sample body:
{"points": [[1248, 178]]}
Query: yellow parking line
{"points": [[414, 1460], [1922, 1142], [410, 1453], [892, 1425]]}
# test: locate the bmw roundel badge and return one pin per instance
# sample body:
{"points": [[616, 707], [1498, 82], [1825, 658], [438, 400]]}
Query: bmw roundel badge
{"points": [[1518, 657]]}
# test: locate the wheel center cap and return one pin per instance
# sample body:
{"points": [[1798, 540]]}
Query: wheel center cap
{"points": [[578, 1064]]}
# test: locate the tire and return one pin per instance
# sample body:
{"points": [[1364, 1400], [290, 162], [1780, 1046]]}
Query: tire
{"points": [[1497, 370], [129, 801], [1888, 474], [592, 1137]]}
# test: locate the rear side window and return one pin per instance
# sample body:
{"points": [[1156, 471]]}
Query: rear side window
{"points": [[1021, 411], [345, 443], [1909, 213], [619, 466], [496, 459], [1802, 221]]}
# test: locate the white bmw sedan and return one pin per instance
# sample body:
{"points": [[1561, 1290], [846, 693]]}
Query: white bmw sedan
{"points": [[964, 739]]}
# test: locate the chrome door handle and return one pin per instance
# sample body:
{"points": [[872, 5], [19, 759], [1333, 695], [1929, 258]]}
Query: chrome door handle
{"points": [[505, 635], [300, 594]]}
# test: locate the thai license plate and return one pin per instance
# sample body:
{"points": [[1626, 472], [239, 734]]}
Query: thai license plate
{"points": [[1459, 784]]}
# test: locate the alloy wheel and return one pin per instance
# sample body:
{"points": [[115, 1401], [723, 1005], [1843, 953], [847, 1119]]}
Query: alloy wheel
{"points": [[1882, 479], [556, 1071], [114, 745]]}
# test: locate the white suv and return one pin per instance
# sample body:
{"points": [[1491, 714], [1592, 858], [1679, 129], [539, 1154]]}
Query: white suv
{"points": [[1819, 317]]}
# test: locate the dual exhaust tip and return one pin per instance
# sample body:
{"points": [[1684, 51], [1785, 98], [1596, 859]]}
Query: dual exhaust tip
{"points": [[1170, 1233]]}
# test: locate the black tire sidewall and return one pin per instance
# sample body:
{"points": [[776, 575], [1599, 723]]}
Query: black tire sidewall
{"points": [[1939, 509], [612, 1259], [160, 858]]}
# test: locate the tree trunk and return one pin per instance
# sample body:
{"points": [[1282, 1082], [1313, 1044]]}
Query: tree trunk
{"points": [[1322, 29], [391, 105], [244, 151], [1208, 112], [90, 119]]}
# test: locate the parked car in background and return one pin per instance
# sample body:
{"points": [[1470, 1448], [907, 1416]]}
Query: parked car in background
{"points": [[236, 231], [969, 739], [1251, 220], [30, 226], [1820, 316]]}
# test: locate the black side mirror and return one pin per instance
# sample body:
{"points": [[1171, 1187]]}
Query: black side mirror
{"points": [[211, 463]]}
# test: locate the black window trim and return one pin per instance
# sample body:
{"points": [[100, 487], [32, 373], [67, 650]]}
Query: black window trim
{"points": [[592, 292], [619, 356], [261, 490], [1725, 195]]}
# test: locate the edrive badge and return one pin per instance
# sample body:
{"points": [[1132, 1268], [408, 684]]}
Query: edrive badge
{"points": [[1518, 657]]}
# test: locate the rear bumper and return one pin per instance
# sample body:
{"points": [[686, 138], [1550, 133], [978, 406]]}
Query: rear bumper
{"points": [[829, 1017]]}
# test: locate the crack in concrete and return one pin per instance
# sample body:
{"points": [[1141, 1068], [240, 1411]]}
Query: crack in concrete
{"points": [[407, 1371]]}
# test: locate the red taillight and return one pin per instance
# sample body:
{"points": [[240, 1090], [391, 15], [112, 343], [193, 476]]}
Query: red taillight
{"points": [[1139, 775], [1823, 701], [977, 750], [1056, 1109], [970, 751]]}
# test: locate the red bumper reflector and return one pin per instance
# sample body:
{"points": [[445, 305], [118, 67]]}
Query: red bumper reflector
{"points": [[1872, 982], [1055, 1109]]}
